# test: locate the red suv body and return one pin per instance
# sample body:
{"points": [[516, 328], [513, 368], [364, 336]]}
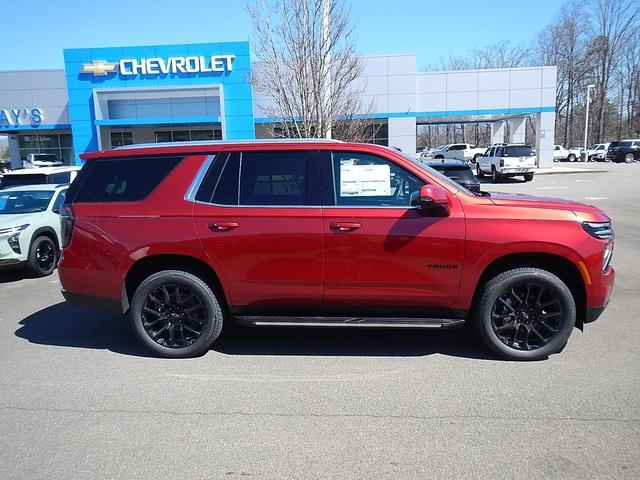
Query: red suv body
{"points": [[324, 233]]}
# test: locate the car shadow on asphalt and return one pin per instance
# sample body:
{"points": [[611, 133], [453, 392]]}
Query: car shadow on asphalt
{"points": [[67, 325], [14, 275]]}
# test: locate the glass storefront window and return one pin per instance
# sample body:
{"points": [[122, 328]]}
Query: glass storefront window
{"points": [[58, 144], [164, 136], [188, 135], [119, 139]]}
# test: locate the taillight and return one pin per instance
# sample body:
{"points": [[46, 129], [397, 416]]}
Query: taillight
{"points": [[67, 221]]}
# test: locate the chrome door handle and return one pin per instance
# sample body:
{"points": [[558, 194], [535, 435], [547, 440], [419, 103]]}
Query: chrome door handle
{"points": [[345, 226], [223, 226]]}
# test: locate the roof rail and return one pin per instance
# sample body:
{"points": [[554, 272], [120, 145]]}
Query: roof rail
{"points": [[205, 143]]}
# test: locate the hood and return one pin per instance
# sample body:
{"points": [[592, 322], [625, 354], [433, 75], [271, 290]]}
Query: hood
{"points": [[16, 219], [581, 210]]}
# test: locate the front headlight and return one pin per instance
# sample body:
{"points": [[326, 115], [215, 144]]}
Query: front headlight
{"points": [[599, 230], [13, 230]]}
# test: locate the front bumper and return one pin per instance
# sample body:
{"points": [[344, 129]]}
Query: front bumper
{"points": [[7, 256], [599, 294]]}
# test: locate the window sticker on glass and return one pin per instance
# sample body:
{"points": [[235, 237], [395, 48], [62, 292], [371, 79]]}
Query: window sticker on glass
{"points": [[364, 180]]}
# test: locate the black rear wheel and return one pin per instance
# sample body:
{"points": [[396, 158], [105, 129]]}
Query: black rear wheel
{"points": [[494, 174], [526, 314], [176, 314], [528, 177]]}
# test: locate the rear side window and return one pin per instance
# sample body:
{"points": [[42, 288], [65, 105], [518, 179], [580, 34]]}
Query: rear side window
{"points": [[124, 180], [266, 178], [63, 177], [518, 151]]}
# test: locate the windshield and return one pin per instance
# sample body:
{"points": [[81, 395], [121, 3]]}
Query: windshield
{"points": [[435, 173], [26, 201], [518, 151], [45, 157], [460, 174]]}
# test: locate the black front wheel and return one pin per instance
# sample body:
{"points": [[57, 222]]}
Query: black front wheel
{"points": [[525, 314], [43, 257], [176, 314]]}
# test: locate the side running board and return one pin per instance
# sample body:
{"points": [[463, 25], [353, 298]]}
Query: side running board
{"points": [[371, 322]]}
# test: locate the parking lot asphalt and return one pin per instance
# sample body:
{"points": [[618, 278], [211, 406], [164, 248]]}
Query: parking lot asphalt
{"points": [[81, 399]]}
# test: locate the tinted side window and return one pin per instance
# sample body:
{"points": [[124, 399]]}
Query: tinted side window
{"points": [[278, 178], [498, 152], [457, 147], [367, 180], [57, 204], [124, 180]]}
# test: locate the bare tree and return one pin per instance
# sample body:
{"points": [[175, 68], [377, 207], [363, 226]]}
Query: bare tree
{"points": [[307, 72], [615, 22]]}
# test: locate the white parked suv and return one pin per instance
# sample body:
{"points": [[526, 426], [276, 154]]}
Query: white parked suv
{"points": [[458, 151], [37, 160], [30, 227], [597, 152], [507, 160]]}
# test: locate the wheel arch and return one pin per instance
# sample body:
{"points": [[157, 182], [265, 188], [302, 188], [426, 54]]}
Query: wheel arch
{"points": [[559, 265], [46, 232], [150, 264]]}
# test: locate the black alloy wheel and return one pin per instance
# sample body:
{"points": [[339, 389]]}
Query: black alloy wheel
{"points": [[527, 316], [43, 256], [173, 316], [176, 314], [525, 313]]}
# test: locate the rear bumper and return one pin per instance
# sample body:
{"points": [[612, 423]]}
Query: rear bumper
{"points": [[99, 303], [594, 313]]}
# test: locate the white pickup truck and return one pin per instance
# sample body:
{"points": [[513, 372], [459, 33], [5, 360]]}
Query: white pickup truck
{"points": [[458, 151], [570, 155], [507, 160]]}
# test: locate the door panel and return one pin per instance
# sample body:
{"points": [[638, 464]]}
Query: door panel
{"points": [[273, 256], [389, 257], [259, 220]]}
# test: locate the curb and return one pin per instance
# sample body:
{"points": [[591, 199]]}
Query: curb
{"points": [[565, 172]]}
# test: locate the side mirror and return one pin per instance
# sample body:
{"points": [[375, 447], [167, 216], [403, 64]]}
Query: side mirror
{"points": [[433, 198]]}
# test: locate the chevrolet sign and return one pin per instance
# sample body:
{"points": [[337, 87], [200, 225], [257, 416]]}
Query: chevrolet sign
{"points": [[157, 66]]}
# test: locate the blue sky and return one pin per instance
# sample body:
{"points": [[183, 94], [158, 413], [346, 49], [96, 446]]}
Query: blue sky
{"points": [[36, 31]]}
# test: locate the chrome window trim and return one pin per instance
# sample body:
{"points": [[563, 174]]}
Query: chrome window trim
{"points": [[190, 196]]}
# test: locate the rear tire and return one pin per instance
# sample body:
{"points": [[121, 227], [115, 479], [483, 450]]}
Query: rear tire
{"points": [[629, 158], [495, 176], [571, 158], [43, 257], [528, 177], [525, 314], [175, 314]]}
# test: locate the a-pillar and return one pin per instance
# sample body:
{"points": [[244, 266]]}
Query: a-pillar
{"points": [[517, 130], [497, 132], [545, 127]]}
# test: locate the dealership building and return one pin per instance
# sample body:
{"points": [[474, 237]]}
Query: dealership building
{"points": [[108, 97]]}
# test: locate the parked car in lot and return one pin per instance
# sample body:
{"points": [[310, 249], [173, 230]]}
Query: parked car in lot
{"points": [[318, 233], [30, 227], [5, 165], [627, 151], [561, 154], [41, 176], [458, 151], [37, 160], [457, 170], [507, 160], [597, 152]]}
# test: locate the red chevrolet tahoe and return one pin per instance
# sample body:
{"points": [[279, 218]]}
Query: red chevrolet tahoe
{"points": [[323, 233]]}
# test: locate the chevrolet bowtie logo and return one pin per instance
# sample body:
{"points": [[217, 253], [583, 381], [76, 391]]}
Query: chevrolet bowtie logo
{"points": [[99, 68]]}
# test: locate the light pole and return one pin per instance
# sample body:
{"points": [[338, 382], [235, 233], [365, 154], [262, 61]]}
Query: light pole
{"points": [[586, 116], [326, 78]]}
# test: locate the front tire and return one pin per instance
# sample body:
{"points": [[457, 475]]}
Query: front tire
{"points": [[175, 314], [479, 173], [571, 158], [525, 314], [43, 256]]}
